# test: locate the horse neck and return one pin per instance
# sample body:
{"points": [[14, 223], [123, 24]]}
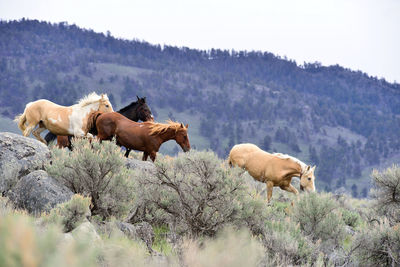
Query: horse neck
{"points": [[130, 112], [296, 169], [169, 134]]}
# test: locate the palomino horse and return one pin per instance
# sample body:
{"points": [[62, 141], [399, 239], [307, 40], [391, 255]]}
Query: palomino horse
{"points": [[273, 169], [58, 119], [145, 136], [135, 111]]}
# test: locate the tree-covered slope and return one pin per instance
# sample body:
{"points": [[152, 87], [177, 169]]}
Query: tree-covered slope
{"points": [[344, 121]]}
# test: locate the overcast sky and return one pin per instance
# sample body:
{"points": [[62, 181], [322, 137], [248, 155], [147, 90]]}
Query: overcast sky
{"points": [[358, 34]]}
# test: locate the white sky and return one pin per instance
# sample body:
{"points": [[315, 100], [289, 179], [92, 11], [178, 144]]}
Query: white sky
{"points": [[358, 34]]}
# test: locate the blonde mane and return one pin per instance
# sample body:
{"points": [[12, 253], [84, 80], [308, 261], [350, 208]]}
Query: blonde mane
{"points": [[90, 99], [286, 156], [160, 128]]}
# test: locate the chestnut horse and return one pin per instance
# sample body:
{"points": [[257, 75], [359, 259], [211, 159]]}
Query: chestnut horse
{"points": [[135, 111], [58, 119], [273, 169], [145, 136]]}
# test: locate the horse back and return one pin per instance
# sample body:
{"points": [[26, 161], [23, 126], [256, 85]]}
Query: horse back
{"points": [[264, 166], [240, 153]]}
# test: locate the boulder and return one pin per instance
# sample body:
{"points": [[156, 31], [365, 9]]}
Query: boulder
{"points": [[19, 156], [139, 231], [38, 192], [86, 231], [139, 164]]}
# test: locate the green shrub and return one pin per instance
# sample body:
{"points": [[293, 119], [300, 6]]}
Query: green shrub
{"points": [[319, 219], [196, 193], [160, 243], [379, 245], [96, 170], [386, 193], [70, 214], [350, 218], [284, 243]]}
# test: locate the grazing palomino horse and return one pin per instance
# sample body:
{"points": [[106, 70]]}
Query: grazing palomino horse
{"points": [[273, 169], [135, 111], [145, 136], [58, 119]]}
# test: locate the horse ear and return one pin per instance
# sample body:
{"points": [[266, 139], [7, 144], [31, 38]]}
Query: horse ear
{"points": [[313, 168], [182, 125], [144, 99], [308, 168], [187, 126], [138, 98]]}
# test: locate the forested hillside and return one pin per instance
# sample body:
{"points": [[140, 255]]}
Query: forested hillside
{"points": [[343, 121]]}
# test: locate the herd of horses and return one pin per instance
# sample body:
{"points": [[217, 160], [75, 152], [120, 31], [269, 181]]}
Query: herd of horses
{"points": [[93, 115]]}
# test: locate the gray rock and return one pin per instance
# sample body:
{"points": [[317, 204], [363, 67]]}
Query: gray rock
{"points": [[139, 164], [19, 156], [86, 231], [143, 231], [38, 192]]}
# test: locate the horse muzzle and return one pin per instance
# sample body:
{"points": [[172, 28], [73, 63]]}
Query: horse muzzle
{"points": [[186, 149]]}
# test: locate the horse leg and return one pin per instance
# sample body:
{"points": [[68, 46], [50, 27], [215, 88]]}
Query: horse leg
{"points": [[37, 133], [153, 156], [145, 155], [29, 129], [270, 186], [290, 188], [127, 152]]}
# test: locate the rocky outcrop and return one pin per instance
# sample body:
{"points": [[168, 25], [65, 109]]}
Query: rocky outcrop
{"points": [[86, 231], [38, 192], [139, 231], [19, 156], [139, 164]]}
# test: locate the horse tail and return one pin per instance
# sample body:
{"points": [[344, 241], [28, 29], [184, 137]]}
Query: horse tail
{"points": [[91, 123], [50, 137], [21, 119]]}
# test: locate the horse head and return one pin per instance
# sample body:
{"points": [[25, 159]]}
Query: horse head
{"points": [[105, 104], [307, 180], [182, 138], [142, 110]]}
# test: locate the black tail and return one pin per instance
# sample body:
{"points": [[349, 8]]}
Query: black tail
{"points": [[50, 137]]}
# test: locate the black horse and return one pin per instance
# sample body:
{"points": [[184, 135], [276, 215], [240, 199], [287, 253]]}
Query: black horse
{"points": [[135, 111]]}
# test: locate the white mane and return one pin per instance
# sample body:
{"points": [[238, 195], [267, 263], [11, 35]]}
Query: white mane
{"points": [[285, 156], [90, 99]]}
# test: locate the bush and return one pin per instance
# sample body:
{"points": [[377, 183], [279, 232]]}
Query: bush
{"points": [[284, 243], [70, 214], [23, 244], [351, 218], [386, 193], [318, 218], [6, 206], [379, 246], [196, 193], [230, 248], [96, 170]]}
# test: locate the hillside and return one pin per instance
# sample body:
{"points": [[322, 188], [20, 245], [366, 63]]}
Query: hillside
{"points": [[343, 121]]}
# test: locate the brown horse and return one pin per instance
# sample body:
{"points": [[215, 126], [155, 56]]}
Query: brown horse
{"points": [[145, 136], [58, 119], [273, 169]]}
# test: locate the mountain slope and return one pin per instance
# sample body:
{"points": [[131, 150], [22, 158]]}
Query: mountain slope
{"points": [[344, 121]]}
